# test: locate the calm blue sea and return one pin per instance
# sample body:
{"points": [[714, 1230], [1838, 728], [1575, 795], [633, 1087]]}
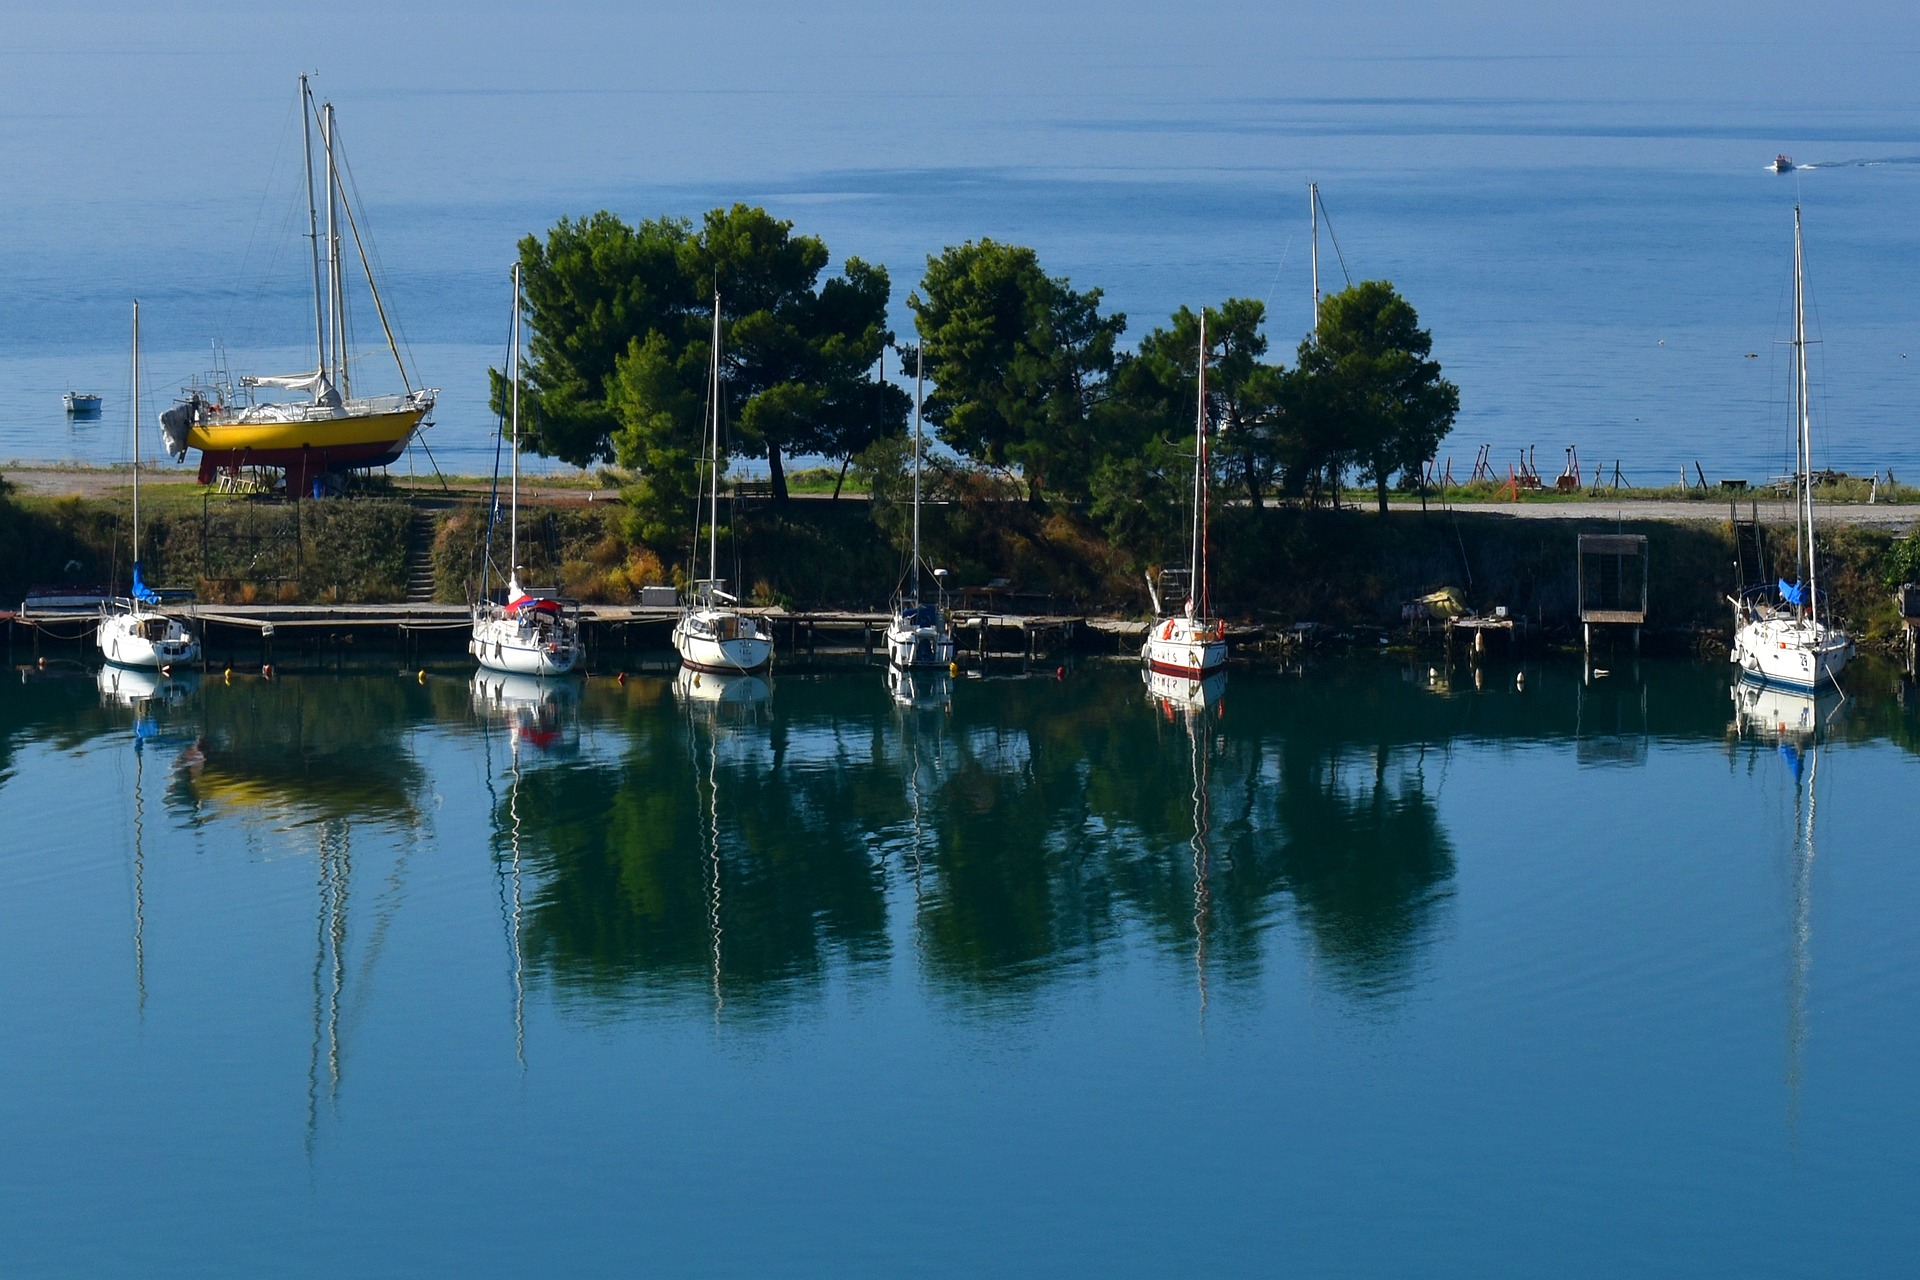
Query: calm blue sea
{"points": [[1581, 212]]}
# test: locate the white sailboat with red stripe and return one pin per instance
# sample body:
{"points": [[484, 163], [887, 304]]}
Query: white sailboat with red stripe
{"points": [[1192, 644], [528, 633]]}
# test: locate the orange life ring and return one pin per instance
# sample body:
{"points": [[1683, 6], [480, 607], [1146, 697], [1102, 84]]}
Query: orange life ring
{"points": [[1168, 633]]}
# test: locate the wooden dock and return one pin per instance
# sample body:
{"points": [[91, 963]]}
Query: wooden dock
{"points": [[238, 629]]}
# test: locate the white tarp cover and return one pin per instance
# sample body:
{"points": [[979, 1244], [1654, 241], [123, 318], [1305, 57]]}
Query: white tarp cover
{"points": [[316, 382]]}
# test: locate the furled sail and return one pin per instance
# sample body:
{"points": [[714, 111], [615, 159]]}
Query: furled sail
{"points": [[174, 425]]}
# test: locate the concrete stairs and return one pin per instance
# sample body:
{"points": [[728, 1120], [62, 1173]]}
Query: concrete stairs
{"points": [[420, 558]]}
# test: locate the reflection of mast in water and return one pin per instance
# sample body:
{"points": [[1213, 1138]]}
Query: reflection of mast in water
{"points": [[513, 918], [335, 858], [1202, 817], [139, 882], [713, 864], [1801, 944]]}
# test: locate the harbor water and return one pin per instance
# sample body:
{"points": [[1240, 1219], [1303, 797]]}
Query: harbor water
{"points": [[1363, 969]]}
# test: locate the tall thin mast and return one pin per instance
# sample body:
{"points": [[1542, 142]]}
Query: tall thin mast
{"points": [[713, 512], [336, 292], [1196, 565], [1804, 446], [919, 369], [313, 228], [513, 372], [136, 434], [1313, 220]]}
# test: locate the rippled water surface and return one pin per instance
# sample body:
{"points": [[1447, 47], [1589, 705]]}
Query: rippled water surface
{"points": [[1353, 972]]}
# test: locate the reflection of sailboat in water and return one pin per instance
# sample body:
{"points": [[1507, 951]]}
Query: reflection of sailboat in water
{"points": [[920, 688], [334, 860], [1183, 693], [1795, 722], [1775, 713], [1195, 705], [531, 708], [148, 693], [541, 715], [142, 688], [734, 694]]}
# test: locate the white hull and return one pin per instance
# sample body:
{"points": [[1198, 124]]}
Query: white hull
{"points": [[139, 638], [1791, 652], [1184, 647], [531, 644], [910, 647], [721, 641]]}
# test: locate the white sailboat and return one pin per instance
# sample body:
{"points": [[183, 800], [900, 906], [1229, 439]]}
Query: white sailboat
{"points": [[712, 635], [132, 631], [1192, 645], [1786, 642], [919, 634], [527, 633]]}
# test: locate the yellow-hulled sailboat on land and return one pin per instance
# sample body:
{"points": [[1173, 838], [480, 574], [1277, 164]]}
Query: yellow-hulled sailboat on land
{"points": [[332, 429]]}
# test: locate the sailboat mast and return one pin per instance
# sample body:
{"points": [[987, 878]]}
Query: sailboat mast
{"points": [[1313, 221], [713, 511], [1195, 564], [1803, 425], [136, 431], [513, 490], [337, 302], [313, 227], [919, 370]]}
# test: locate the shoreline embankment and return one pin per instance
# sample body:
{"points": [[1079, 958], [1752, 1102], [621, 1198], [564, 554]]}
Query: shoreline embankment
{"points": [[1275, 568]]}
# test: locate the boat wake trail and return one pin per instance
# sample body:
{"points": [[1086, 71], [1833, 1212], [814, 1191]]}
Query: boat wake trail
{"points": [[1864, 163]]}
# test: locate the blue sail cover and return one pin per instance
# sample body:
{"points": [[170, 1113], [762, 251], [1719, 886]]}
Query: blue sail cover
{"points": [[1792, 593], [1791, 755], [141, 591], [924, 615]]}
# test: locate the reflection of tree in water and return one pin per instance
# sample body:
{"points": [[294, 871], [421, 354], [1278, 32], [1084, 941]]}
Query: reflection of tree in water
{"points": [[1363, 855], [618, 854], [1054, 819]]}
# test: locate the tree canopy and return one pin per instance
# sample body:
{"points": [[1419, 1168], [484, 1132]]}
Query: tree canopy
{"points": [[621, 321], [1019, 363], [1373, 397]]}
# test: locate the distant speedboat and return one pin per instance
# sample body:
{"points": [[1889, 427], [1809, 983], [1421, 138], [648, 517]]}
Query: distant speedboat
{"points": [[81, 404], [1783, 163]]}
